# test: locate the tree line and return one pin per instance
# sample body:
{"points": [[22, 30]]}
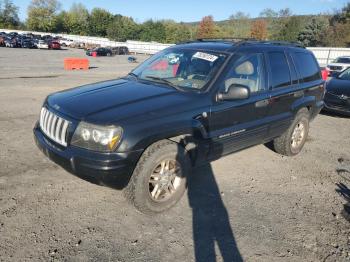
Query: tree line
{"points": [[282, 25]]}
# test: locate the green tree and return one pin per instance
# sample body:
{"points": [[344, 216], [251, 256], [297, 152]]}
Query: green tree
{"points": [[8, 14], [99, 22], [123, 28], [42, 15], [176, 32], [152, 31], [311, 34], [291, 30], [77, 20], [240, 25]]}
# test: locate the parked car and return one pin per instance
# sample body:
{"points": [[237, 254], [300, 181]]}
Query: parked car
{"points": [[66, 42], [119, 50], [100, 51], [54, 45], [42, 44], [11, 42], [189, 104], [339, 65], [27, 43], [337, 98]]}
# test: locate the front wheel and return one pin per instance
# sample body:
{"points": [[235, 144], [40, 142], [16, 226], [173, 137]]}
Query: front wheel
{"points": [[293, 140], [159, 179]]}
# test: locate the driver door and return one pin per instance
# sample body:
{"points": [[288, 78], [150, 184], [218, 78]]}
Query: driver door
{"points": [[234, 125]]}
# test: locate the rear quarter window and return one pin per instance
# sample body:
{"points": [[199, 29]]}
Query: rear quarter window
{"points": [[307, 66]]}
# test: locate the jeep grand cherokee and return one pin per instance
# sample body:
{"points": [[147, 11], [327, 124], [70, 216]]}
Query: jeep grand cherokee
{"points": [[191, 103]]}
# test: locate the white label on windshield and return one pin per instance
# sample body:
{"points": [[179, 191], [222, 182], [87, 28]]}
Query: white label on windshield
{"points": [[205, 56]]}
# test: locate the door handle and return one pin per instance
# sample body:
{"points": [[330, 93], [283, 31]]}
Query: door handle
{"points": [[262, 103]]}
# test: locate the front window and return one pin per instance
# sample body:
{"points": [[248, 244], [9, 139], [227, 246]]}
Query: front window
{"points": [[345, 75], [181, 68]]}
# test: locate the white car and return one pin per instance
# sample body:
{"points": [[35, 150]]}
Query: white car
{"points": [[339, 65], [43, 45], [66, 42]]}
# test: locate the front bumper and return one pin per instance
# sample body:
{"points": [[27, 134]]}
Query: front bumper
{"points": [[114, 169]]}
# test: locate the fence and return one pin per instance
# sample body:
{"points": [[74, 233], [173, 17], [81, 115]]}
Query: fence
{"points": [[324, 55]]}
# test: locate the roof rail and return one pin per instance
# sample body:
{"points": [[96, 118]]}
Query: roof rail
{"points": [[242, 41], [229, 39], [283, 43]]}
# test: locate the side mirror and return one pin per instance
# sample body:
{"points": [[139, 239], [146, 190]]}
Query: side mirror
{"points": [[235, 92]]}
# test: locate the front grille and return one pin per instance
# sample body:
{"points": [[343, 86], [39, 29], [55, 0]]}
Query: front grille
{"points": [[54, 126]]}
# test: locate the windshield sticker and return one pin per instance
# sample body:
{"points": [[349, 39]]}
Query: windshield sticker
{"points": [[205, 56]]}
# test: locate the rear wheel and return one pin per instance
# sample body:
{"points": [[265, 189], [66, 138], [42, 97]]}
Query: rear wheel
{"points": [[293, 140], [159, 179]]}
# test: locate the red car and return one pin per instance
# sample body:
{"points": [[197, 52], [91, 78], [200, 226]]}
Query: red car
{"points": [[54, 45]]}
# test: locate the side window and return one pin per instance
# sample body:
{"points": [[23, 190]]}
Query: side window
{"points": [[279, 70], [247, 70], [308, 68]]}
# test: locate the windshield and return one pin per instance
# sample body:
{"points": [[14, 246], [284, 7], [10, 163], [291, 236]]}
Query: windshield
{"points": [[181, 68], [345, 75], [342, 60]]}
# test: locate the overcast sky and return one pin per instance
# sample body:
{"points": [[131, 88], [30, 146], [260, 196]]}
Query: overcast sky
{"points": [[194, 10]]}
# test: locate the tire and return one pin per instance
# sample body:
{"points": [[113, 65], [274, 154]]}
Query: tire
{"points": [[293, 140], [142, 193], [109, 54]]}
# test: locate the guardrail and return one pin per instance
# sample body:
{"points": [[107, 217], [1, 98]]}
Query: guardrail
{"points": [[324, 55]]}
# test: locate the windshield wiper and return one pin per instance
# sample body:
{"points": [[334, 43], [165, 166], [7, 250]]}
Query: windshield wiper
{"points": [[164, 81]]}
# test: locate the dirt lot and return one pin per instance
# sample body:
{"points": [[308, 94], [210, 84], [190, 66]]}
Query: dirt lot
{"points": [[253, 206]]}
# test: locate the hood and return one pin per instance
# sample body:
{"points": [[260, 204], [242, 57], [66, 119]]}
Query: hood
{"points": [[338, 64], [338, 87], [112, 101]]}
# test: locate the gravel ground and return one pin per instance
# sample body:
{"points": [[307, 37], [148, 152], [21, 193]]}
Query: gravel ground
{"points": [[254, 205]]}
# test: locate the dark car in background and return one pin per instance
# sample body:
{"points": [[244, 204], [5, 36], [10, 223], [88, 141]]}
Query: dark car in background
{"points": [[27, 43], [337, 97], [100, 51], [120, 50]]}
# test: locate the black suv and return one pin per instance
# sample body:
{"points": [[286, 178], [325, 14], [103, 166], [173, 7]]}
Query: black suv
{"points": [[191, 103]]}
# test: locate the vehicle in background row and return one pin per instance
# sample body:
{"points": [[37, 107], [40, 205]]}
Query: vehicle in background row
{"points": [[119, 50], [27, 43], [100, 51], [337, 97], [189, 104], [66, 42], [54, 45], [339, 65], [42, 44]]}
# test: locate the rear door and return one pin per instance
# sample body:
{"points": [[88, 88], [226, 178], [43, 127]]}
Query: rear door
{"points": [[283, 85], [234, 125]]}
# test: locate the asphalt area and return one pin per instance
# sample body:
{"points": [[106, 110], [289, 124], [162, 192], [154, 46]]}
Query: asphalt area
{"points": [[254, 205]]}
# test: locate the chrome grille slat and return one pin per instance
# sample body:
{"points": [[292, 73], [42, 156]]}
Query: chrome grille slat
{"points": [[54, 126]]}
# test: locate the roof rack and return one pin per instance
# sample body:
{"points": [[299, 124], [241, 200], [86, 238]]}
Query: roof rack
{"points": [[283, 43], [228, 39], [245, 41]]}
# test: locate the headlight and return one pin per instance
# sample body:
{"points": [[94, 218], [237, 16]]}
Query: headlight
{"points": [[97, 138]]}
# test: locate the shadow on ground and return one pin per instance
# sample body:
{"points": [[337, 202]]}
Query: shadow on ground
{"points": [[211, 224], [343, 189]]}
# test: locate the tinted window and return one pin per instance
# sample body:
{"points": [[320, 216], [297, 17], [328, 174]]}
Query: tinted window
{"points": [[308, 68], [247, 70], [279, 70]]}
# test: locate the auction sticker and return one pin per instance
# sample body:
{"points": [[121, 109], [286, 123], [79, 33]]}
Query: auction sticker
{"points": [[205, 56]]}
